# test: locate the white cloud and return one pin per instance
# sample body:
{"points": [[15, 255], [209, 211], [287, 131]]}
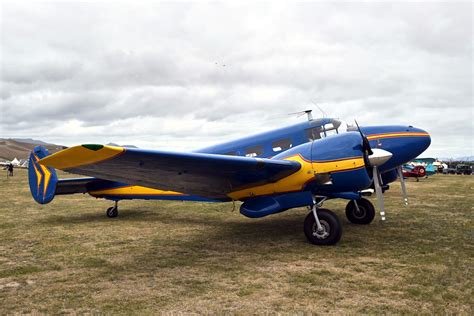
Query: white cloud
{"points": [[186, 75]]}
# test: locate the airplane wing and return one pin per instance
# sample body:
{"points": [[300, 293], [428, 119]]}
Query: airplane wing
{"points": [[206, 175]]}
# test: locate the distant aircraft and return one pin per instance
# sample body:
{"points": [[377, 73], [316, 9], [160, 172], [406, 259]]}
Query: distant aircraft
{"points": [[414, 172], [304, 164]]}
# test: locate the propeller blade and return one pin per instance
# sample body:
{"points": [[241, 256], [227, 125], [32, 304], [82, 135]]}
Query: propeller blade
{"points": [[402, 183], [378, 191], [365, 141]]}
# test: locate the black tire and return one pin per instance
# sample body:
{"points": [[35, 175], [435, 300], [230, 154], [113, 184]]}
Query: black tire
{"points": [[364, 216], [332, 228], [112, 212]]}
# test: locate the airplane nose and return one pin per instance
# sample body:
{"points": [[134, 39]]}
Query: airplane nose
{"points": [[418, 143], [424, 141]]}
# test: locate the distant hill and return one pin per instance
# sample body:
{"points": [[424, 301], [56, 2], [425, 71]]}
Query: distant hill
{"points": [[21, 148], [117, 145], [29, 141]]}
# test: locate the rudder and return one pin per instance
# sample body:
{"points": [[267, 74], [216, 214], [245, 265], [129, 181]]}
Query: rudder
{"points": [[42, 179]]}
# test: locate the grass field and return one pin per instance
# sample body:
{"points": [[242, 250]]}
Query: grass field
{"points": [[67, 257]]}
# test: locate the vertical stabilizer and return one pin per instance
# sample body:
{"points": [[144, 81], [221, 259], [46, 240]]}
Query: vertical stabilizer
{"points": [[42, 179]]}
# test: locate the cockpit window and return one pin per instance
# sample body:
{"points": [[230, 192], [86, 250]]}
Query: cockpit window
{"points": [[328, 130], [282, 144], [254, 151], [313, 133]]}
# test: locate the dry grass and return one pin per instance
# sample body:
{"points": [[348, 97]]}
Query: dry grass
{"points": [[184, 257]]}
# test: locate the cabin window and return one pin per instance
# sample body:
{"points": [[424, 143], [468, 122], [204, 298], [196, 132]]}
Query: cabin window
{"points": [[314, 133], [282, 144], [231, 153], [254, 151], [328, 130]]}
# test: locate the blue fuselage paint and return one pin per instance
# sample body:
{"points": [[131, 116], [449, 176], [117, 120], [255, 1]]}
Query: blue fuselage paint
{"points": [[297, 134]]}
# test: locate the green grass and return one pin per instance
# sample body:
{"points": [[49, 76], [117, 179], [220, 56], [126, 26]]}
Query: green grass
{"points": [[67, 257]]}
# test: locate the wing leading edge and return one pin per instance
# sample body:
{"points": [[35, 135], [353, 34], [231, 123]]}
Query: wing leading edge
{"points": [[206, 175]]}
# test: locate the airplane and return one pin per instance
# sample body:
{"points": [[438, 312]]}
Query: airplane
{"points": [[302, 165], [417, 172]]}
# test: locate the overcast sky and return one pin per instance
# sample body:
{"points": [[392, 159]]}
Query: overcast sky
{"points": [[187, 75]]}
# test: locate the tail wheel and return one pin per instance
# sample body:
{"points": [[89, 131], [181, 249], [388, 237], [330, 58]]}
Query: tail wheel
{"points": [[112, 212], [331, 231], [363, 213]]}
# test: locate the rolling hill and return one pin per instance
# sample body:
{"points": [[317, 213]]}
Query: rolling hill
{"points": [[17, 148]]}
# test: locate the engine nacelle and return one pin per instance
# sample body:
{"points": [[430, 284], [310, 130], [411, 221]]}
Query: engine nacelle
{"points": [[338, 163], [266, 205]]}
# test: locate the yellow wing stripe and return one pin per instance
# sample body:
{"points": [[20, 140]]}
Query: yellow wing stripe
{"points": [[79, 156], [133, 190], [401, 134]]}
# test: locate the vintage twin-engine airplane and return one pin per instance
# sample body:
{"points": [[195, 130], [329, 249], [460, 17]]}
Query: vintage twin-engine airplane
{"points": [[300, 165]]}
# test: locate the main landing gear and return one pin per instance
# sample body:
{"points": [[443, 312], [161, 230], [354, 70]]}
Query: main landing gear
{"points": [[112, 212], [360, 211], [321, 226]]}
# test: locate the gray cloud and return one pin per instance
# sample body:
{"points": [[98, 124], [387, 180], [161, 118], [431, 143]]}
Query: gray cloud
{"points": [[186, 75]]}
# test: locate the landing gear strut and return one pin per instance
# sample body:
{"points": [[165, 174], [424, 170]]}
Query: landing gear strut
{"points": [[360, 211], [112, 211], [321, 226]]}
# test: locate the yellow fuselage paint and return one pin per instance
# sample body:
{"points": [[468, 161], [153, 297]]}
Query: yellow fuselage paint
{"points": [[338, 165], [297, 180]]}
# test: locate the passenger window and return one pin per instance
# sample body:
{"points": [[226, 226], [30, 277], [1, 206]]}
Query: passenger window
{"points": [[281, 145], [313, 133], [254, 151]]}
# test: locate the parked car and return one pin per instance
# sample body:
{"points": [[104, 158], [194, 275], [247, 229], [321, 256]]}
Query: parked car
{"points": [[449, 171], [463, 169]]}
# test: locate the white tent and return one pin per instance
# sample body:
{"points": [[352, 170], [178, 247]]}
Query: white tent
{"points": [[24, 163], [15, 162]]}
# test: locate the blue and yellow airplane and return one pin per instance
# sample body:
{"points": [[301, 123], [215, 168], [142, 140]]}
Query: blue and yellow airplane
{"points": [[300, 165]]}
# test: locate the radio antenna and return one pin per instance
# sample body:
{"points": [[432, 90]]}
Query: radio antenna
{"points": [[319, 108]]}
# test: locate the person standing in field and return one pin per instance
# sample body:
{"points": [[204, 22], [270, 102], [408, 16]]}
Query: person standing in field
{"points": [[10, 170]]}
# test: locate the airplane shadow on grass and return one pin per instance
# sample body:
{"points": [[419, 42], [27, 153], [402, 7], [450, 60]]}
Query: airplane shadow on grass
{"points": [[210, 230]]}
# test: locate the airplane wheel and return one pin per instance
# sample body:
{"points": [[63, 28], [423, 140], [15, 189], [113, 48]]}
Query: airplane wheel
{"points": [[365, 215], [331, 232], [112, 212]]}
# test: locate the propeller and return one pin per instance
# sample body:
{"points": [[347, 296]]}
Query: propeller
{"points": [[376, 157], [365, 141]]}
